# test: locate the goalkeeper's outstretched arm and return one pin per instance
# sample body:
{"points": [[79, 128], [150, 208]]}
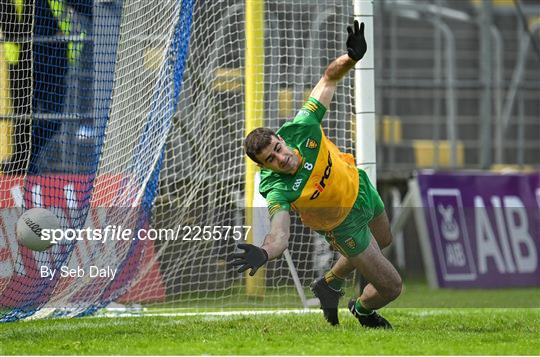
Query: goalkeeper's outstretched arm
{"points": [[277, 240], [356, 48], [274, 245]]}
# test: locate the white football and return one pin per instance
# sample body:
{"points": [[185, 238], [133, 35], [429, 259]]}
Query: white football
{"points": [[29, 228]]}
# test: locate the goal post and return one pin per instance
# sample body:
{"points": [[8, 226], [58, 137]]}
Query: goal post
{"points": [[254, 117], [364, 95], [364, 78]]}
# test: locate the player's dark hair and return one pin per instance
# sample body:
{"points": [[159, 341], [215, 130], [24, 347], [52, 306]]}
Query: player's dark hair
{"points": [[256, 141]]}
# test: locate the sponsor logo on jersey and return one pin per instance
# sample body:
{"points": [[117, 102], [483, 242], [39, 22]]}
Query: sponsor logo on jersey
{"points": [[350, 243], [319, 186], [302, 113], [297, 184], [311, 144]]}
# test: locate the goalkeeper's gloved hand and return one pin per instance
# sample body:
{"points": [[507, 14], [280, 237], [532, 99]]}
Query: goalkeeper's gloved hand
{"points": [[356, 43], [253, 257]]}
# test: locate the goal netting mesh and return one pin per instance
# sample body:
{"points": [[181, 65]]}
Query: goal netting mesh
{"points": [[145, 131]]}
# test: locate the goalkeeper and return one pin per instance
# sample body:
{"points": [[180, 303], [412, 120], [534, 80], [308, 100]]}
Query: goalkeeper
{"points": [[302, 170]]}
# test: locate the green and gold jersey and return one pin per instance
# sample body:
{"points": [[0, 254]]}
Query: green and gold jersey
{"points": [[325, 187]]}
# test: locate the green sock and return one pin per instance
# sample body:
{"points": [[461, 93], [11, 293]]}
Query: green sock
{"points": [[361, 309], [334, 281]]}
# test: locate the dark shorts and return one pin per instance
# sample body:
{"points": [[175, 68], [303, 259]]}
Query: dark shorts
{"points": [[353, 236]]}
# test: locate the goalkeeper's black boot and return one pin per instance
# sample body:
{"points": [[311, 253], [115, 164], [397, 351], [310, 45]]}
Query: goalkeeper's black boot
{"points": [[329, 299], [373, 320]]}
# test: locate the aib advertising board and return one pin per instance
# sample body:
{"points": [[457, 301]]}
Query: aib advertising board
{"points": [[483, 228]]}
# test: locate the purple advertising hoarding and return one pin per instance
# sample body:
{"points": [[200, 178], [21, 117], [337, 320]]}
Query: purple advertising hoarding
{"points": [[483, 228]]}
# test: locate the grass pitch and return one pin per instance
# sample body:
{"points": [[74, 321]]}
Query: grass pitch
{"points": [[417, 331], [466, 328]]}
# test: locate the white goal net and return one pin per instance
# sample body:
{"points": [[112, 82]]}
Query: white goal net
{"points": [[150, 136]]}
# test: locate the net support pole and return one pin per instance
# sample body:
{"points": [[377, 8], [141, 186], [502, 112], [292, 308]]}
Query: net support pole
{"points": [[296, 279], [254, 112], [364, 94]]}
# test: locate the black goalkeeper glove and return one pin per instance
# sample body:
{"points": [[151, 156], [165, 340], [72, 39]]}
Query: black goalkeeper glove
{"points": [[253, 257], [356, 43]]}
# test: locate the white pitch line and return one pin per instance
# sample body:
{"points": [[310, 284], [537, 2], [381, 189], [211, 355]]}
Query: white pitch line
{"points": [[420, 312], [212, 313]]}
